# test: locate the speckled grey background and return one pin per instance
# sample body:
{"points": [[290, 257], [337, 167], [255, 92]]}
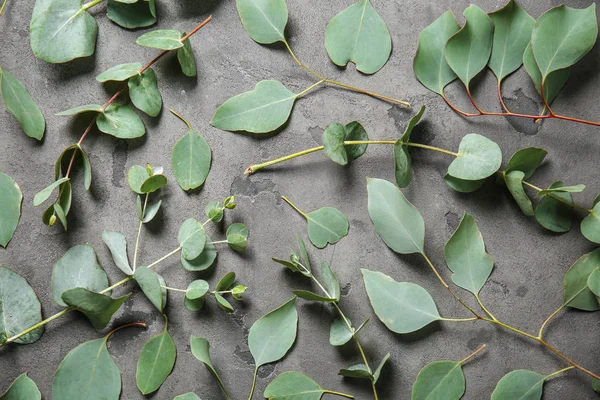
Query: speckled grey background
{"points": [[530, 262]]}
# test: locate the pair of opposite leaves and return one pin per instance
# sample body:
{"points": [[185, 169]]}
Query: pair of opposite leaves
{"points": [[504, 40], [357, 34]]}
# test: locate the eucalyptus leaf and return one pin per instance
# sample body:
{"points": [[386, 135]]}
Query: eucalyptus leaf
{"points": [[117, 244], [214, 211], [520, 384], [303, 254], [45, 193], [596, 385], [10, 207], [334, 137], [144, 93], [226, 282], [440, 380], [261, 110], [553, 83], [264, 20], [20, 104], [163, 291], [19, 308], [294, 385], [562, 189], [151, 211], [310, 296], [190, 160], [340, 334], [237, 236], [194, 305], [196, 289], [514, 182], [466, 257], [132, 15], [358, 371], [98, 308], [120, 72], [402, 306], [87, 169], [271, 337], [330, 281], [185, 56], [136, 176], [554, 214], [204, 261], [153, 183], [590, 226], [526, 160], [379, 368], [593, 282], [478, 158], [326, 225], [150, 284], [78, 268], [95, 108], [575, 291], [187, 396], [192, 238], [201, 350], [120, 121], [223, 303], [402, 159], [396, 221], [22, 388], [62, 30], [468, 50], [156, 362], [461, 185], [359, 35], [163, 39]]}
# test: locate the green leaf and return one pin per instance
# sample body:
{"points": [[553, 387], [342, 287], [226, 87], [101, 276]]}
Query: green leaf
{"points": [[223, 303], [355, 132], [96, 108], [593, 282], [120, 72], [117, 244], [87, 169], [396, 221], [358, 371], [310, 296], [185, 56], [226, 282], [142, 182], [187, 396], [461, 185], [330, 281], [238, 291], [554, 81], [136, 176], [520, 384], [132, 15], [377, 372], [466, 257], [261, 110], [190, 159], [192, 238], [120, 121], [273, 334], [327, 225], [512, 32], [201, 350], [478, 158], [576, 293], [590, 226], [430, 65], [334, 137], [526, 160], [194, 305], [19, 307], [360, 35], [62, 30], [156, 362], [151, 211], [562, 36], [214, 211], [264, 20], [22, 388], [237, 237], [149, 282], [514, 182], [439, 380], [45, 193], [163, 39], [303, 254], [19, 102], [294, 385], [562, 189], [153, 183], [10, 208], [402, 159], [339, 334], [144, 93], [402, 306], [98, 308], [196, 289], [553, 214], [78, 268], [596, 385], [469, 49], [87, 372], [204, 261]]}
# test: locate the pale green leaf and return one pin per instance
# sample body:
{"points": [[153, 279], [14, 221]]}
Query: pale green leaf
{"points": [[151, 211], [590, 226], [117, 244], [150, 284], [120, 72], [379, 368], [153, 183], [144, 93], [204, 261], [514, 182], [185, 56], [214, 211], [554, 81], [310, 296], [339, 333], [98, 308], [226, 282], [562, 189], [132, 14], [120, 121], [19, 102], [96, 108], [461, 185], [223, 303], [187, 396], [22, 388], [192, 238], [554, 214], [576, 293], [526, 160], [156, 362], [439, 380], [293, 385], [45, 193], [163, 39], [87, 169], [520, 384], [10, 208], [402, 158], [358, 371], [264, 20], [190, 160], [196, 289], [326, 225], [330, 281], [237, 236], [136, 176], [201, 350], [478, 158], [593, 282]]}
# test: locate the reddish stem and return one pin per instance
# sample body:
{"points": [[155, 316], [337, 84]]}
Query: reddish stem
{"points": [[500, 96]]}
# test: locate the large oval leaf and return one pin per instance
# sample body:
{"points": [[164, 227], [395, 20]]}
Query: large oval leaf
{"points": [[10, 208], [439, 380], [327, 225], [468, 50], [19, 307], [23, 388], [144, 93], [264, 20], [78, 268], [396, 221], [576, 293], [62, 30], [190, 160], [204, 261], [261, 110], [360, 35], [98, 308], [521, 384], [120, 121], [273, 335], [478, 157], [130, 14], [19, 102], [402, 306], [156, 362]]}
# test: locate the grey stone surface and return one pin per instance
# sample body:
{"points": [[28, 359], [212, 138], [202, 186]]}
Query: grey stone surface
{"points": [[530, 262]]}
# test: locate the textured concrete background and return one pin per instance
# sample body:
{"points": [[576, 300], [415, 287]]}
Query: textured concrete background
{"points": [[530, 262]]}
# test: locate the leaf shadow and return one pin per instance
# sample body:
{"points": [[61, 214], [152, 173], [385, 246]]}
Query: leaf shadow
{"points": [[194, 8], [73, 69]]}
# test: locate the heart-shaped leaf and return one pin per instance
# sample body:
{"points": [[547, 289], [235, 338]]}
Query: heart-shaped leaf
{"points": [[553, 83], [514, 182], [294, 385], [261, 110], [19, 102], [326, 225], [78, 268], [192, 238], [22, 388], [185, 56], [19, 307], [214, 211], [264, 20], [120, 121], [62, 30], [201, 350], [132, 15], [273, 334], [204, 261], [190, 159], [402, 306], [360, 35], [402, 159], [430, 65], [150, 284], [163, 39], [144, 93], [237, 236], [396, 221], [478, 158], [439, 380], [10, 207], [469, 49], [120, 72], [98, 308], [520, 384], [526, 160], [117, 244], [590, 226], [576, 293], [334, 137], [156, 362], [554, 214]]}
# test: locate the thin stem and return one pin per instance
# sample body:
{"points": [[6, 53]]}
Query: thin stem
{"points": [[181, 118], [573, 363], [300, 63], [174, 289], [253, 168], [458, 319], [118, 328], [512, 328], [196, 29], [484, 309], [218, 242], [472, 355], [302, 93], [294, 207], [541, 331], [473, 102], [538, 189], [348, 396], [253, 383], [139, 233], [38, 325], [500, 96], [3, 5], [90, 4], [424, 146], [163, 258], [559, 372], [456, 110]]}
